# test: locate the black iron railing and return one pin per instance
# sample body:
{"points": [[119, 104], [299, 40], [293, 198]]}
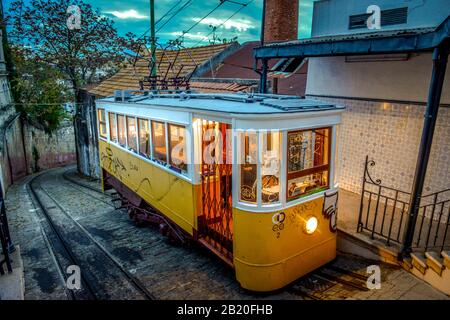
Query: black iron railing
{"points": [[432, 225], [383, 213]]}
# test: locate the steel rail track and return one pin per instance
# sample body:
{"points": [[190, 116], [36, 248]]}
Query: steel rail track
{"points": [[136, 283], [66, 177], [323, 273], [130, 278], [68, 254]]}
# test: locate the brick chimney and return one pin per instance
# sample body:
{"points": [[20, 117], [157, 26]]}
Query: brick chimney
{"points": [[281, 20]]}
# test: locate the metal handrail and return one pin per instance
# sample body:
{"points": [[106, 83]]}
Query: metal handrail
{"points": [[431, 230]]}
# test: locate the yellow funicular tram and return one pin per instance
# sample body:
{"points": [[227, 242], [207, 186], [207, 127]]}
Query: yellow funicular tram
{"points": [[251, 177]]}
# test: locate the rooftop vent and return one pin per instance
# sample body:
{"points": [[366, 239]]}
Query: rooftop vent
{"points": [[388, 18], [122, 95]]}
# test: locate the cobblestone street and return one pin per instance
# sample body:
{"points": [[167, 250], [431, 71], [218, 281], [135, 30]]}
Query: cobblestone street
{"points": [[167, 271]]}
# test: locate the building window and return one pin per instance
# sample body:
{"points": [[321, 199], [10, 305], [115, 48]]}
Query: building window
{"points": [[144, 137], [121, 130], [132, 134], [159, 141], [177, 147], [248, 166], [308, 162], [112, 127], [270, 167], [102, 123]]}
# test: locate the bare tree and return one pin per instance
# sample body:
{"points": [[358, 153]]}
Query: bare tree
{"points": [[79, 42]]}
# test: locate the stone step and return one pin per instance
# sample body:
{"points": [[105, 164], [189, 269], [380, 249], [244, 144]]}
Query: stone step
{"points": [[435, 262], [419, 262], [407, 264], [446, 255]]}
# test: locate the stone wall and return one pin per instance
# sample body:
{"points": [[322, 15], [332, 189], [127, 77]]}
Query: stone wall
{"points": [[45, 151], [390, 134], [25, 149], [7, 119]]}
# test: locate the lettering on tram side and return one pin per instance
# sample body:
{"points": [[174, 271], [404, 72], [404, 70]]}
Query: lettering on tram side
{"points": [[112, 163], [298, 211], [133, 167], [329, 209], [278, 223]]}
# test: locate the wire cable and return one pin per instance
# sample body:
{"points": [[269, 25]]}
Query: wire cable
{"points": [[200, 20], [243, 5], [165, 15], [188, 3]]}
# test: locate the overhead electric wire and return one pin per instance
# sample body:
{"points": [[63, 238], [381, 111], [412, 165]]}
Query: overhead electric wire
{"points": [[243, 5], [188, 3], [165, 15], [204, 17]]}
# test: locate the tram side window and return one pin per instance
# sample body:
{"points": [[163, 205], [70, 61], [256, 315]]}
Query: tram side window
{"points": [[112, 127], [248, 168], [102, 123], [159, 141], [121, 130], [270, 167], [177, 147], [132, 134], [308, 162], [144, 137]]}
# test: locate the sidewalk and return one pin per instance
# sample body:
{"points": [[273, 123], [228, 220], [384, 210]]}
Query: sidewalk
{"points": [[12, 285]]}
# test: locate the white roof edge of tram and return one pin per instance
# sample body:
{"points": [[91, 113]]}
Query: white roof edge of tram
{"points": [[239, 104]]}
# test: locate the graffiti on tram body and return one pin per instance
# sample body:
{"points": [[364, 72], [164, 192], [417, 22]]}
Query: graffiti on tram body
{"points": [[329, 209], [112, 163]]}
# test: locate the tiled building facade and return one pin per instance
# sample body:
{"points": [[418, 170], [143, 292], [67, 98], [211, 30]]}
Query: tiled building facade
{"points": [[389, 133]]}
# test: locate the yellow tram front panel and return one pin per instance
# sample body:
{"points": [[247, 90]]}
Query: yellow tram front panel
{"points": [[171, 195], [272, 249]]}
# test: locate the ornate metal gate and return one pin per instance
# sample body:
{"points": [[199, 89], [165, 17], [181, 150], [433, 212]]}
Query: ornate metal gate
{"points": [[216, 222]]}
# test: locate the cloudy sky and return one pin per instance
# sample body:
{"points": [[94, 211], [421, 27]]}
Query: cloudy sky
{"points": [[133, 15]]}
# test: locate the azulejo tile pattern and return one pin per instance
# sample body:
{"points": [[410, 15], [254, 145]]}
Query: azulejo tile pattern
{"points": [[389, 133]]}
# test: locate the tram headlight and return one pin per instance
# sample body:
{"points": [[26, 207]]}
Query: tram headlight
{"points": [[311, 224]]}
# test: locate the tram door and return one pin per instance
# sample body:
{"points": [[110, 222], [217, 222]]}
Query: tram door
{"points": [[216, 224]]}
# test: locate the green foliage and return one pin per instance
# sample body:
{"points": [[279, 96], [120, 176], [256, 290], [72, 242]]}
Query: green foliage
{"points": [[40, 91]]}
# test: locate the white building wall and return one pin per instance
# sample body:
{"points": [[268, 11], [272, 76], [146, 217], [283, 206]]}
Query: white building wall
{"points": [[387, 80]]}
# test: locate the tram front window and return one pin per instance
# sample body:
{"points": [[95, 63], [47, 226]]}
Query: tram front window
{"points": [[121, 130], [159, 141], [177, 146], [270, 167], [132, 134], [248, 166], [308, 162]]}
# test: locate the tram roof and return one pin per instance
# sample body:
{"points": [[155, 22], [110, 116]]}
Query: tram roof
{"points": [[239, 103]]}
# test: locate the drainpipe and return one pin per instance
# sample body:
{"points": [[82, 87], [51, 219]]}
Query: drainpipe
{"points": [[440, 57]]}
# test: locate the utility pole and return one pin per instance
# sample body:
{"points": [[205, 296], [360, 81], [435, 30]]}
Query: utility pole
{"points": [[153, 36]]}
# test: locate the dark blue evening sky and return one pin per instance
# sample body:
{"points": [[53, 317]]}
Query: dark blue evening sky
{"points": [[133, 15]]}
